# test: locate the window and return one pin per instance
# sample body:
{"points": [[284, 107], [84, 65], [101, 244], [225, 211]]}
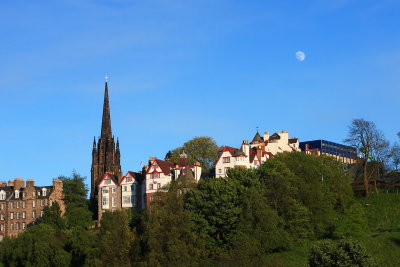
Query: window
{"points": [[41, 213], [11, 205], [128, 179], [33, 214], [220, 170], [11, 215], [125, 188], [2, 227], [23, 225], [2, 195], [23, 215], [34, 204], [1, 206], [23, 194], [42, 203], [150, 186], [105, 201], [24, 204], [114, 190], [226, 169], [17, 204], [33, 194], [226, 159], [16, 226], [158, 186], [114, 201], [155, 175], [2, 216], [44, 191], [151, 198], [126, 199], [17, 215], [16, 193], [105, 190], [108, 181], [11, 226]]}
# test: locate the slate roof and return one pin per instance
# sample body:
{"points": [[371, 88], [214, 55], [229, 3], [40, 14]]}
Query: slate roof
{"points": [[257, 138]]}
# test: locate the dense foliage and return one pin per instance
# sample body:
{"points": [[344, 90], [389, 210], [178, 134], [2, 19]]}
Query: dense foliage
{"points": [[254, 217]]}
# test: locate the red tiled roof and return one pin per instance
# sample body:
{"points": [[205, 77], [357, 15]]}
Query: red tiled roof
{"points": [[165, 166], [229, 149]]}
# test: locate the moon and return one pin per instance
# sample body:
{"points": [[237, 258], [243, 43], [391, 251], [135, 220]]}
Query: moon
{"points": [[300, 55]]}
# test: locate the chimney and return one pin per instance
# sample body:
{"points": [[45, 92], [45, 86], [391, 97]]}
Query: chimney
{"points": [[3, 184], [266, 136], [18, 183], [10, 183], [57, 184], [30, 183]]}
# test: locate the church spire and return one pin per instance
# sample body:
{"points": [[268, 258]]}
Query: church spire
{"points": [[106, 122]]}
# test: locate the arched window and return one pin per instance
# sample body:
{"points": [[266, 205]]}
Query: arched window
{"points": [[16, 193], [2, 195], [44, 191]]}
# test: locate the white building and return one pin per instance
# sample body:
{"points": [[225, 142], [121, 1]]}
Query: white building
{"points": [[254, 154], [114, 195], [160, 173]]}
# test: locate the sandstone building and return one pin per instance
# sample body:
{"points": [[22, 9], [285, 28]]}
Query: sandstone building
{"points": [[22, 205]]}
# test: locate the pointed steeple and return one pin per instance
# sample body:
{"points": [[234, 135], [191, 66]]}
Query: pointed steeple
{"points": [[106, 122], [94, 142]]}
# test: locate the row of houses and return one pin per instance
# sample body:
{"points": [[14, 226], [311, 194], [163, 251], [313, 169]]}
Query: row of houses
{"points": [[114, 191]]}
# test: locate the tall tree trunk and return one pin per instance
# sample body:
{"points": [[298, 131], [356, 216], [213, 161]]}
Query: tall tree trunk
{"points": [[366, 184]]}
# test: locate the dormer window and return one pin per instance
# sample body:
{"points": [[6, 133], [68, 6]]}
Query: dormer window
{"points": [[44, 192], [16, 194], [2, 195]]}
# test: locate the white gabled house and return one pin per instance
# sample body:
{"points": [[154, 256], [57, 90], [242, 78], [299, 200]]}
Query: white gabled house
{"points": [[160, 173], [114, 195], [254, 154]]}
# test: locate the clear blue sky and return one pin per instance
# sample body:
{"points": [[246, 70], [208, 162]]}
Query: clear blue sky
{"points": [[185, 68]]}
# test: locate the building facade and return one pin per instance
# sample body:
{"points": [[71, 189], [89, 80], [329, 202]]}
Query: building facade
{"points": [[122, 194], [343, 153], [252, 155], [160, 173], [22, 205]]}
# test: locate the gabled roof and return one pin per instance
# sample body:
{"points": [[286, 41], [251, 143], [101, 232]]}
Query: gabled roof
{"points": [[135, 175], [109, 176], [228, 148], [293, 140], [164, 165], [257, 138]]}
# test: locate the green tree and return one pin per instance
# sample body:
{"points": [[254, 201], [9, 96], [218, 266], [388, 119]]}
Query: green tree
{"points": [[115, 239], [202, 149], [74, 190], [83, 246], [215, 207], [38, 246], [75, 198], [343, 254], [52, 216], [171, 239]]}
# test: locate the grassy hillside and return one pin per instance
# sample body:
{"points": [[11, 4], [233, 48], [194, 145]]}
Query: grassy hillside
{"points": [[382, 239]]}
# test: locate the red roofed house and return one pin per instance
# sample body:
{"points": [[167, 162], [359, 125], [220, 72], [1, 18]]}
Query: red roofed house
{"points": [[160, 173], [254, 154]]}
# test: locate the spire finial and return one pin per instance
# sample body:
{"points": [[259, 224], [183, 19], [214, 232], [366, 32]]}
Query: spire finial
{"points": [[257, 129], [106, 78]]}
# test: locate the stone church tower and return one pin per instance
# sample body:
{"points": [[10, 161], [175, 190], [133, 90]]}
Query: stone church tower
{"points": [[105, 153]]}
